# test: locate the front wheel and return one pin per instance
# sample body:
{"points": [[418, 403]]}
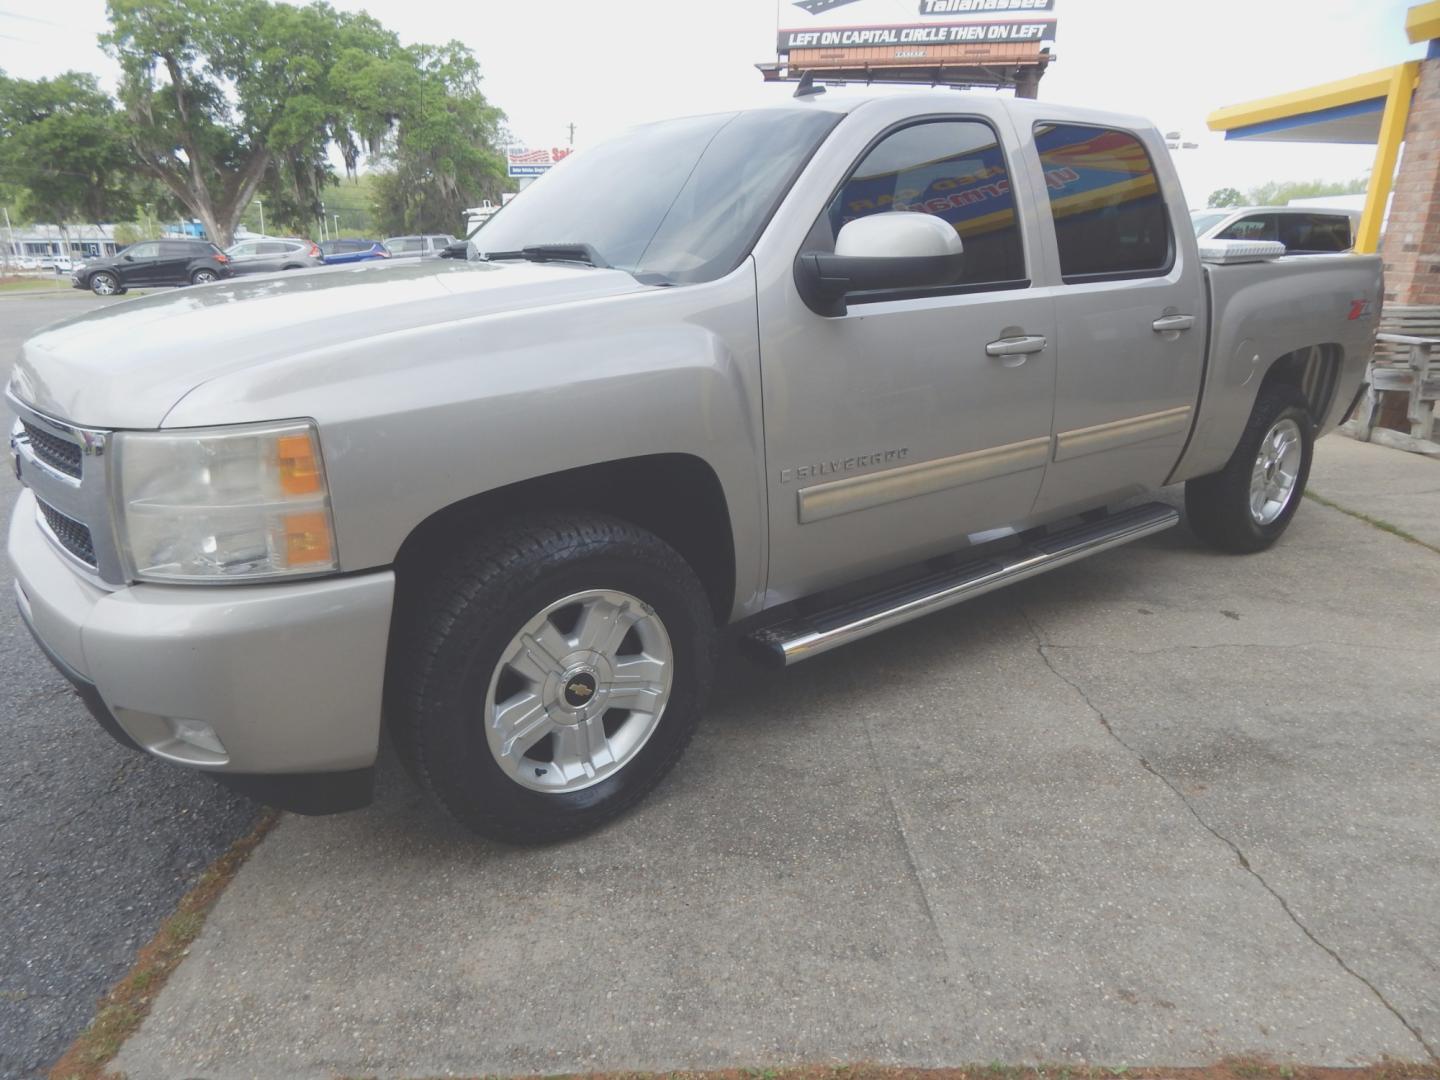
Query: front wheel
{"points": [[546, 678], [1248, 504], [104, 284], [203, 277]]}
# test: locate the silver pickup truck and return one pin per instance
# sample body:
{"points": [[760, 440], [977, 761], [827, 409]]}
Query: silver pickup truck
{"points": [[794, 374]]}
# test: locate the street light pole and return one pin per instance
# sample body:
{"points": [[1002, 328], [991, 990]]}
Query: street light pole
{"points": [[262, 216]]}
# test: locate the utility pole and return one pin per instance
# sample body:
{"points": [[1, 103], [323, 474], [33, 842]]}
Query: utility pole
{"points": [[262, 216], [10, 251], [572, 133]]}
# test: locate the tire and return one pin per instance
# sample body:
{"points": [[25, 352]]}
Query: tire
{"points": [[203, 277], [459, 665], [1243, 508], [104, 283]]}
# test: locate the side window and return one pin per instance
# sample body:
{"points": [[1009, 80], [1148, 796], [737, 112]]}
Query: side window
{"points": [[272, 247], [1314, 232], [953, 169], [143, 251], [1110, 218], [242, 250], [1254, 227], [178, 251]]}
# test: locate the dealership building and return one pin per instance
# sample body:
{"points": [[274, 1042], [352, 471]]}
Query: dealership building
{"points": [[1397, 109]]}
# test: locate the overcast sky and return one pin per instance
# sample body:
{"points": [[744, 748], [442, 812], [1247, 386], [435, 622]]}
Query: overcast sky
{"points": [[606, 64]]}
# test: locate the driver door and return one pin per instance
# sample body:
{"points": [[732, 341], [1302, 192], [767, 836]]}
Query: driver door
{"points": [[900, 430]]}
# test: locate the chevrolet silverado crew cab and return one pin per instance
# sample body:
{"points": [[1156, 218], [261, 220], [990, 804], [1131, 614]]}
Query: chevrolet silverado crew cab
{"points": [[797, 374]]}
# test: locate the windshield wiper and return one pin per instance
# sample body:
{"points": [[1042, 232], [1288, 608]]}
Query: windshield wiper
{"points": [[578, 252]]}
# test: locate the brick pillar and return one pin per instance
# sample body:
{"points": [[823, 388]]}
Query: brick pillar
{"points": [[1412, 236]]}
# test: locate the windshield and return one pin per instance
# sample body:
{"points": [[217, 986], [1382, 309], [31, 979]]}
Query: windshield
{"points": [[1203, 220], [675, 202]]}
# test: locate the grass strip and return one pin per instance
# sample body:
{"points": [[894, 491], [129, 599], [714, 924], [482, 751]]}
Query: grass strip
{"points": [[128, 1003], [1378, 523]]}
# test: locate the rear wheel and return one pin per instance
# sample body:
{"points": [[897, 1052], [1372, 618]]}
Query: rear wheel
{"points": [[1248, 504], [547, 677], [203, 277], [104, 283]]}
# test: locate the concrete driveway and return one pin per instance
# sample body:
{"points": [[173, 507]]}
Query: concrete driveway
{"points": [[1157, 808]]}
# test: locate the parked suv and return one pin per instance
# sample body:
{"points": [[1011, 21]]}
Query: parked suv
{"points": [[412, 247], [1303, 230], [267, 254], [153, 262]]}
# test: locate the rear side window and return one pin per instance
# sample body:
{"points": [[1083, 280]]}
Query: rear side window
{"points": [[406, 244], [1110, 218], [181, 251], [272, 247], [952, 169], [1314, 232]]}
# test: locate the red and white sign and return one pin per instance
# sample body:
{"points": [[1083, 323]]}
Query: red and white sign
{"points": [[527, 161]]}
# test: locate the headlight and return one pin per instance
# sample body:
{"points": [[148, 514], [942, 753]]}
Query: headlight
{"points": [[223, 504]]}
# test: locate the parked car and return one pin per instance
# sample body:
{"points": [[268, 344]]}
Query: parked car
{"points": [[339, 252], [512, 502], [1303, 230], [153, 262], [413, 247], [268, 254]]}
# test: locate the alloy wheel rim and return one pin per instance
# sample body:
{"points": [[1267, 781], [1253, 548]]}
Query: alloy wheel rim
{"points": [[578, 691], [104, 286], [1277, 470], [204, 277]]}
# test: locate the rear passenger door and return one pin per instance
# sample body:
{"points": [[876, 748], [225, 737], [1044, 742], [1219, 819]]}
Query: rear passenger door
{"points": [[1130, 314], [139, 265], [174, 265]]}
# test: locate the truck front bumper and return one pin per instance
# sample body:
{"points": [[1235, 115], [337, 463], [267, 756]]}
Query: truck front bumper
{"points": [[273, 689]]}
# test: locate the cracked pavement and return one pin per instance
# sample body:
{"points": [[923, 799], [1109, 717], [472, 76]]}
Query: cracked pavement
{"points": [[1160, 807]]}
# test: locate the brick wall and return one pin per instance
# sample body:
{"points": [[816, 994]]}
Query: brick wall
{"points": [[1412, 237]]}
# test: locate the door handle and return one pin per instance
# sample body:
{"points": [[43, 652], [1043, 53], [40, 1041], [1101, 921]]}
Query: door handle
{"points": [[1169, 323], [1016, 346]]}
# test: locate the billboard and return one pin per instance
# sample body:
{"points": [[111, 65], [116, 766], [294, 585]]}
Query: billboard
{"points": [[525, 161], [912, 26]]}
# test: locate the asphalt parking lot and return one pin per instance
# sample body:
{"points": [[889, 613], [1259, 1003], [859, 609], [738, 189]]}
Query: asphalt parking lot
{"points": [[96, 842], [1161, 807]]}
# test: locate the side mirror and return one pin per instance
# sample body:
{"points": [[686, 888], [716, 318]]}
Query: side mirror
{"points": [[460, 250], [129, 258], [896, 250]]}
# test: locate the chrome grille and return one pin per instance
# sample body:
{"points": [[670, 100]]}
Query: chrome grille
{"points": [[66, 468], [58, 453], [73, 536]]}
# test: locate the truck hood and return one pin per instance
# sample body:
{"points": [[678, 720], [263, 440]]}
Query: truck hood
{"points": [[126, 366]]}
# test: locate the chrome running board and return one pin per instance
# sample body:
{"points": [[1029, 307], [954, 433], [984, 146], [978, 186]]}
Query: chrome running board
{"points": [[803, 636]]}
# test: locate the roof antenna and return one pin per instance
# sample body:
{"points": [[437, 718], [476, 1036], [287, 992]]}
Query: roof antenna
{"points": [[807, 86]]}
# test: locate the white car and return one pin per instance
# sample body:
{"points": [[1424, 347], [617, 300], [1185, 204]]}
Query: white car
{"points": [[1304, 230]]}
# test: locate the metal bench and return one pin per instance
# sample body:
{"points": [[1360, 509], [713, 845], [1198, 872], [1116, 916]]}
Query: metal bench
{"points": [[1406, 360]]}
